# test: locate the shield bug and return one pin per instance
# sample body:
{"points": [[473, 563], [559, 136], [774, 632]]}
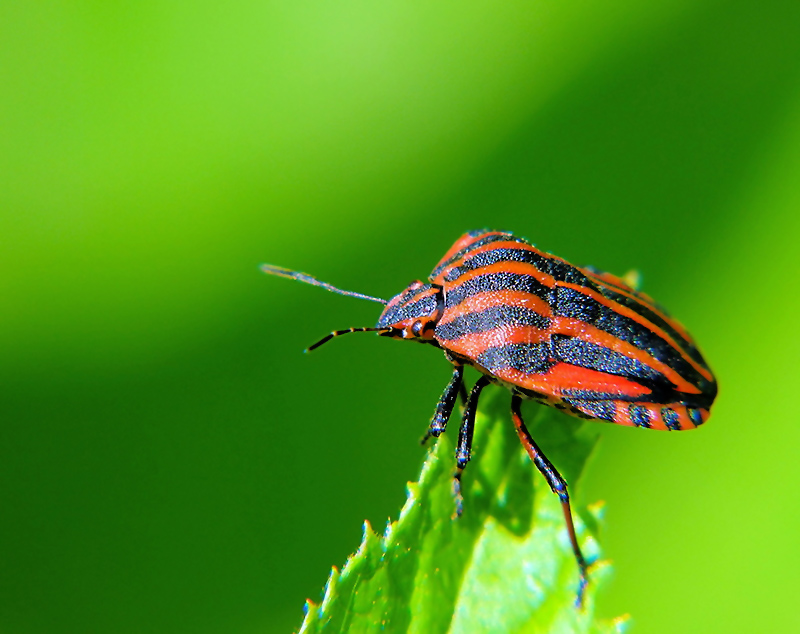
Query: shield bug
{"points": [[574, 338]]}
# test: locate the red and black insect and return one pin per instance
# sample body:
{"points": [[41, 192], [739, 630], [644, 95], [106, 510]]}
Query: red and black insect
{"points": [[575, 338]]}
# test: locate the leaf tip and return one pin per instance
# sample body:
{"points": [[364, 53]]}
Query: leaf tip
{"points": [[330, 589], [367, 529]]}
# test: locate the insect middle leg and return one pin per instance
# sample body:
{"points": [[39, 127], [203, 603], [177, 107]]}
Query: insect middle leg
{"points": [[557, 484], [464, 448]]}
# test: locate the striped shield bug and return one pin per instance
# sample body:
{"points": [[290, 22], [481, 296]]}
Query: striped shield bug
{"points": [[574, 338]]}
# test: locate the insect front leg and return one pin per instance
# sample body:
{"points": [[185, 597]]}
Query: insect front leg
{"points": [[464, 448], [444, 408], [557, 484]]}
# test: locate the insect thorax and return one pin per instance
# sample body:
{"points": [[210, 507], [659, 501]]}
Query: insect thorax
{"points": [[414, 313]]}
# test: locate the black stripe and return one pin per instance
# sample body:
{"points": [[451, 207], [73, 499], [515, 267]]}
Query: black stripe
{"points": [[593, 395], [498, 237], [481, 321], [670, 418], [589, 355], [696, 416], [604, 410], [495, 282], [645, 309], [574, 304], [640, 416], [493, 256], [530, 358], [559, 270]]}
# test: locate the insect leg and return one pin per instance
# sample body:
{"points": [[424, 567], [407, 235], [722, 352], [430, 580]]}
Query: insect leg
{"points": [[557, 484], [464, 448], [444, 408], [462, 394]]}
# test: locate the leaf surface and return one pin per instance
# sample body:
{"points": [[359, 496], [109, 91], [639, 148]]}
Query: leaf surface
{"points": [[505, 565]]}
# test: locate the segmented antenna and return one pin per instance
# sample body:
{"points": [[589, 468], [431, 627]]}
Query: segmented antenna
{"points": [[303, 277], [346, 331]]}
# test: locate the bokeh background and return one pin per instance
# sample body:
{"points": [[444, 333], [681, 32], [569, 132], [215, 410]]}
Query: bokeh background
{"points": [[171, 462]]}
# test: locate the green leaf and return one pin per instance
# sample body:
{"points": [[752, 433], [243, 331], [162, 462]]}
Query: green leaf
{"points": [[505, 565]]}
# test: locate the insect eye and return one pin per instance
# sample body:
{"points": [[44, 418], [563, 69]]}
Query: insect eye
{"points": [[416, 328]]}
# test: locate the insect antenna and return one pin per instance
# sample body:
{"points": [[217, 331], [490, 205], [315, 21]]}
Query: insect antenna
{"points": [[303, 277], [339, 333]]}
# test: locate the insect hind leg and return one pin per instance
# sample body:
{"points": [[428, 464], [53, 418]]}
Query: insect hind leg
{"points": [[558, 486]]}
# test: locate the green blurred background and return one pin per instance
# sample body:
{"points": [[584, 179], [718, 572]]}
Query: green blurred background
{"points": [[171, 462]]}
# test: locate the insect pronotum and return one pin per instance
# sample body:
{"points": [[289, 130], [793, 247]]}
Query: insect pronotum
{"points": [[575, 338]]}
